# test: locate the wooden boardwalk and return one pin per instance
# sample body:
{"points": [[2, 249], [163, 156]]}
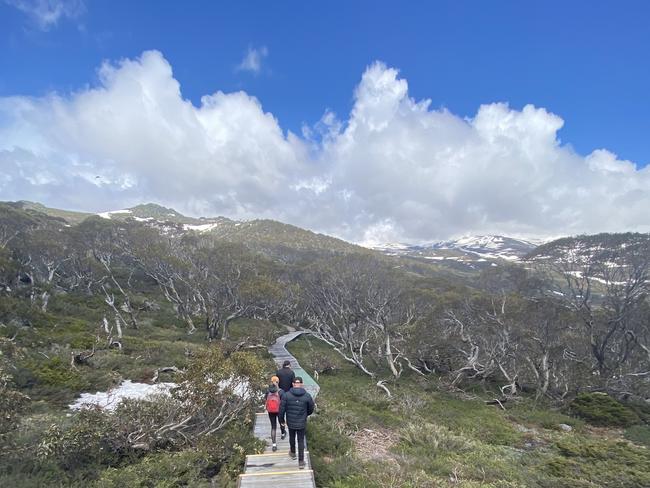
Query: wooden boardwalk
{"points": [[277, 468]]}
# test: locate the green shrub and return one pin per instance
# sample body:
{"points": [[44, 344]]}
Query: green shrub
{"points": [[602, 463], [641, 408], [84, 340], [330, 449], [164, 470], [89, 441], [12, 403], [216, 461], [640, 434], [93, 440], [601, 409], [52, 372], [324, 440], [546, 418]]}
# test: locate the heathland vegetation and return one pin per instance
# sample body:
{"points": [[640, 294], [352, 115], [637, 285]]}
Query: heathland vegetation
{"points": [[530, 374]]}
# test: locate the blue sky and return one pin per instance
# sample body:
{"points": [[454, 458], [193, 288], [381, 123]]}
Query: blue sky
{"points": [[586, 62]]}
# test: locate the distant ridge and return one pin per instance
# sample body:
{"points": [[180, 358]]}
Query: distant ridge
{"points": [[70, 216], [279, 240], [472, 247]]}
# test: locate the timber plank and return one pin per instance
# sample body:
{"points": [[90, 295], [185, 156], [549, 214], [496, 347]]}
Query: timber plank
{"points": [[294, 479], [273, 463]]}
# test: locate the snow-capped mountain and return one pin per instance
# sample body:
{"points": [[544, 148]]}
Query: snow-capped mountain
{"points": [[150, 212], [471, 251], [490, 246]]}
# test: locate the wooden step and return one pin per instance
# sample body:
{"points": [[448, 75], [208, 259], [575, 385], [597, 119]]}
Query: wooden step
{"points": [[303, 478], [273, 462]]}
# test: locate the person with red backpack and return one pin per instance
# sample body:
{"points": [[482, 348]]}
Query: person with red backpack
{"points": [[273, 400]]}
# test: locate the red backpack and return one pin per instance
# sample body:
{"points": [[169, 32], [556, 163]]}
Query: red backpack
{"points": [[273, 402]]}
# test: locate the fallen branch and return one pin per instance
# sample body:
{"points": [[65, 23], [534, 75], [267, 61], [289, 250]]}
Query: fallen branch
{"points": [[81, 358], [165, 369], [646, 373], [242, 345], [382, 384], [317, 372], [496, 401], [413, 368]]}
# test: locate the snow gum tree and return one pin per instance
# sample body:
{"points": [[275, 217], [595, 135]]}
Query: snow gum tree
{"points": [[606, 287], [356, 305]]}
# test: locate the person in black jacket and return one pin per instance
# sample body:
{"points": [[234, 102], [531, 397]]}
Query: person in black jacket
{"points": [[296, 406], [286, 376]]}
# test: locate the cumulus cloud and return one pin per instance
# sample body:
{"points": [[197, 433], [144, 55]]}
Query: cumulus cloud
{"points": [[416, 172], [395, 169], [47, 13], [144, 141], [252, 60]]}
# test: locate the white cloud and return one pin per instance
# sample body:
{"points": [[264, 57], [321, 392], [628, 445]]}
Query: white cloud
{"points": [[396, 169], [145, 141], [252, 60], [47, 13], [429, 173]]}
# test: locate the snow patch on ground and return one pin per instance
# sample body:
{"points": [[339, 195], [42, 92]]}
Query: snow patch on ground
{"points": [[239, 386], [107, 215], [504, 254], [109, 400], [389, 246], [579, 274], [201, 227]]}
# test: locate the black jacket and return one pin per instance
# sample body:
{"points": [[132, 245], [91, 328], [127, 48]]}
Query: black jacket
{"points": [[296, 405], [286, 376]]}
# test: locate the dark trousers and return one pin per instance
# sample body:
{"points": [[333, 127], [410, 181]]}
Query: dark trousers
{"points": [[273, 417], [300, 433]]}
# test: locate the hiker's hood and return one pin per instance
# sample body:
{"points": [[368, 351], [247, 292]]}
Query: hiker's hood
{"points": [[298, 391]]}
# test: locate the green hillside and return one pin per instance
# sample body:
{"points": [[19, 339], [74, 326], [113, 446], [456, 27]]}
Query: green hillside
{"points": [[425, 435], [528, 375], [69, 216]]}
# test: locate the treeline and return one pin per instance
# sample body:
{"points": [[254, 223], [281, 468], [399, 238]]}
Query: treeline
{"points": [[573, 318]]}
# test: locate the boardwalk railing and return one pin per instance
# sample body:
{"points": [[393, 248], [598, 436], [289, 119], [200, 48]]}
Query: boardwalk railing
{"points": [[277, 468]]}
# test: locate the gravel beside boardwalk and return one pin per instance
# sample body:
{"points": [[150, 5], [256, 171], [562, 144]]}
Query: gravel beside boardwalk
{"points": [[277, 468]]}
